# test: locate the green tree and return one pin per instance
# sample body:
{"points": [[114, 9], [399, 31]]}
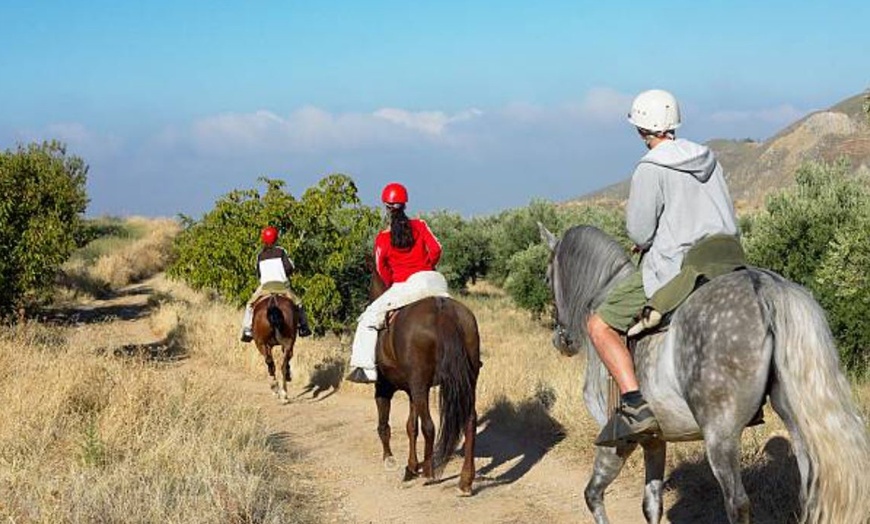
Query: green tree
{"points": [[525, 283], [326, 232], [817, 234], [43, 200], [516, 230], [467, 247]]}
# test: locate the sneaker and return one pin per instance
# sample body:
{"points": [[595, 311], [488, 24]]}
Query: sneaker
{"points": [[363, 376], [304, 331], [628, 424], [247, 335]]}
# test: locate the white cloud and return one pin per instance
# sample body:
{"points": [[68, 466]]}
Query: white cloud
{"points": [[80, 140], [429, 122]]}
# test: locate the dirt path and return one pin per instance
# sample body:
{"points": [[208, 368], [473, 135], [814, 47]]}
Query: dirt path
{"points": [[334, 432]]}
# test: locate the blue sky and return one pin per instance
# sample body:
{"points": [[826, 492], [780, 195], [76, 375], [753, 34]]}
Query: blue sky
{"points": [[476, 106]]}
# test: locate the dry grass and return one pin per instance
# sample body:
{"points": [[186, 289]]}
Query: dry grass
{"points": [[91, 438], [112, 262]]}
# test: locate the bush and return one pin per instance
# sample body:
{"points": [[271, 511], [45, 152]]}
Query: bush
{"points": [[327, 234], [817, 234], [41, 211], [467, 247], [517, 230], [526, 279]]}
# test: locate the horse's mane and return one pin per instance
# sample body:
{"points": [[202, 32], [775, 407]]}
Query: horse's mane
{"points": [[588, 263]]}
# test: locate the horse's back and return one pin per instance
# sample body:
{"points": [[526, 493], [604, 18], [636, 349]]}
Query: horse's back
{"points": [[714, 363]]}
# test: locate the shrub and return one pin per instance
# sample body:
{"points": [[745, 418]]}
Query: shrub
{"points": [[41, 211], [467, 247], [327, 233], [526, 279], [817, 234]]}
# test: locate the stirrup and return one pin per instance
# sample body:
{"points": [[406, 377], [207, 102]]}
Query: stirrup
{"points": [[628, 424]]}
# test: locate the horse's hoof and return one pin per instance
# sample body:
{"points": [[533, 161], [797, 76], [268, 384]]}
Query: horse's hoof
{"points": [[409, 475], [464, 492], [391, 464]]}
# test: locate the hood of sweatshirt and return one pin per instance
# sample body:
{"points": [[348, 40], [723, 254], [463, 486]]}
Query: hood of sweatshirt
{"points": [[683, 155]]}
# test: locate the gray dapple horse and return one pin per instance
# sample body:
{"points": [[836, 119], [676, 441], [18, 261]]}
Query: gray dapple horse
{"points": [[738, 338]]}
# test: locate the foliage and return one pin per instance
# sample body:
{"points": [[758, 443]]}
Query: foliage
{"points": [[517, 230], [326, 232], [817, 234], [467, 247], [41, 211], [526, 279]]}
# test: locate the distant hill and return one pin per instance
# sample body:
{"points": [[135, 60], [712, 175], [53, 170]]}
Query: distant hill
{"points": [[754, 169]]}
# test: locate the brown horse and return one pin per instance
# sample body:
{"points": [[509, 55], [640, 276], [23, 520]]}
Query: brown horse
{"points": [[275, 325], [431, 342]]}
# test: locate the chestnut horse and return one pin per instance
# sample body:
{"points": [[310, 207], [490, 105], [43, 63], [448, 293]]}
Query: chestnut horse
{"points": [[275, 325], [431, 342]]}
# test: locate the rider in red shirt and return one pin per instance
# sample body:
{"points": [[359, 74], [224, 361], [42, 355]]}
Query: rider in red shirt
{"points": [[405, 256]]}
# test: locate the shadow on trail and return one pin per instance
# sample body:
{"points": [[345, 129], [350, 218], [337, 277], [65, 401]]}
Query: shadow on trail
{"points": [[94, 315], [170, 349], [514, 437], [326, 377], [771, 483]]}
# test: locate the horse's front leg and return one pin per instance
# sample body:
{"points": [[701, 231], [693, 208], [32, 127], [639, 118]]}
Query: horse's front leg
{"points": [[412, 470], [608, 464], [384, 398], [654, 452], [286, 375], [266, 351]]}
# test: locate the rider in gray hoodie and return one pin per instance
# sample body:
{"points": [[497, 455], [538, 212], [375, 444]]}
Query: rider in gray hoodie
{"points": [[678, 196]]}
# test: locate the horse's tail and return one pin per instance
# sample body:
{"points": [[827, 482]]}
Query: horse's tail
{"points": [[275, 316], [457, 375], [818, 399]]}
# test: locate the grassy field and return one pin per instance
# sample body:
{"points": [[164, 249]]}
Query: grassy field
{"points": [[96, 435]]}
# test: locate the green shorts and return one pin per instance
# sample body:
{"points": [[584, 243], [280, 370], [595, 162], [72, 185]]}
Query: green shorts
{"points": [[623, 304]]}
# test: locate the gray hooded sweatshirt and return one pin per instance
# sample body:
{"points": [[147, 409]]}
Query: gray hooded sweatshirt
{"points": [[678, 196]]}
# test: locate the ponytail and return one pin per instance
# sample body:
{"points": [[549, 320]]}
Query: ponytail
{"points": [[401, 235]]}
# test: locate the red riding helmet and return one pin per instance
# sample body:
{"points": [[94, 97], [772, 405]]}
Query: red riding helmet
{"points": [[269, 235], [394, 193]]}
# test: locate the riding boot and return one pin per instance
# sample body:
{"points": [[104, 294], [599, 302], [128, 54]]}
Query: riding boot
{"points": [[247, 322], [633, 421], [304, 330]]}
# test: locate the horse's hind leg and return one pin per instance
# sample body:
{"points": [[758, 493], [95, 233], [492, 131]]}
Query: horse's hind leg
{"points": [[608, 464], [421, 406], [411, 426], [467, 475], [286, 376], [723, 453], [270, 364], [383, 398], [654, 462]]}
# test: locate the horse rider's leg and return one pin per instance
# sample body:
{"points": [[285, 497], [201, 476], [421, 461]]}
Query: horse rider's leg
{"points": [[383, 398], [723, 453], [266, 351], [654, 462], [615, 356], [411, 426], [467, 475], [421, 406], [781, 405], [608, 463]]}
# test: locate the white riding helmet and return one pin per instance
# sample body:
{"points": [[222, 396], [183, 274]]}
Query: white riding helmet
{"points": [[655, 110]]}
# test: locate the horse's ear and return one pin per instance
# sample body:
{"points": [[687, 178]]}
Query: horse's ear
{"points": [[548, 238]]}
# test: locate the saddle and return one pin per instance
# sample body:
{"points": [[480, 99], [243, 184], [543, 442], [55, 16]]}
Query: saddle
{"points": [[711, 257]]}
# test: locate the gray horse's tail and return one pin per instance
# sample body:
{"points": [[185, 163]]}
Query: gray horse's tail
{"points": [[815, 401]]}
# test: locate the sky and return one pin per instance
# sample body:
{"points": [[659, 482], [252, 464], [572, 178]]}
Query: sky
{"points": [[475, 106]]}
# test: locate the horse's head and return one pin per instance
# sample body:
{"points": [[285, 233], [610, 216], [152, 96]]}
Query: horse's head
{"points": [[376, 285], [562, 339]]}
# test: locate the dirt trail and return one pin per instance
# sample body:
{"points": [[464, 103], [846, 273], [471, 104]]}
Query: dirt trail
{"points": [[518, 480]]}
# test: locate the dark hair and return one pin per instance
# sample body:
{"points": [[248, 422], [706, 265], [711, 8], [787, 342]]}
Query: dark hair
{"points": [[401, 235]]}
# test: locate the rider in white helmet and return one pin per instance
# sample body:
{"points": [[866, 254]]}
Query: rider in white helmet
{"points": [[678, 196]]}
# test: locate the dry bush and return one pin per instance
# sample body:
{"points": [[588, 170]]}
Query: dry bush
{"points": [[91, 438]]}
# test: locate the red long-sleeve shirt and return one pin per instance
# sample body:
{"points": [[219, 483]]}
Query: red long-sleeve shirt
{"points": [[397, 265]]}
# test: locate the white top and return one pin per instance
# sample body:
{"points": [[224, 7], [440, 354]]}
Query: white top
{"points": [[272, 270]]}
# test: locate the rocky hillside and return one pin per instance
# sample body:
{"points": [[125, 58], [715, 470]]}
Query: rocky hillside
{"points": [[754, 169]]}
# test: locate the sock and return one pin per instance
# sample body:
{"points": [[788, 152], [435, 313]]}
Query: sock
{"points": [[633, 398]]}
